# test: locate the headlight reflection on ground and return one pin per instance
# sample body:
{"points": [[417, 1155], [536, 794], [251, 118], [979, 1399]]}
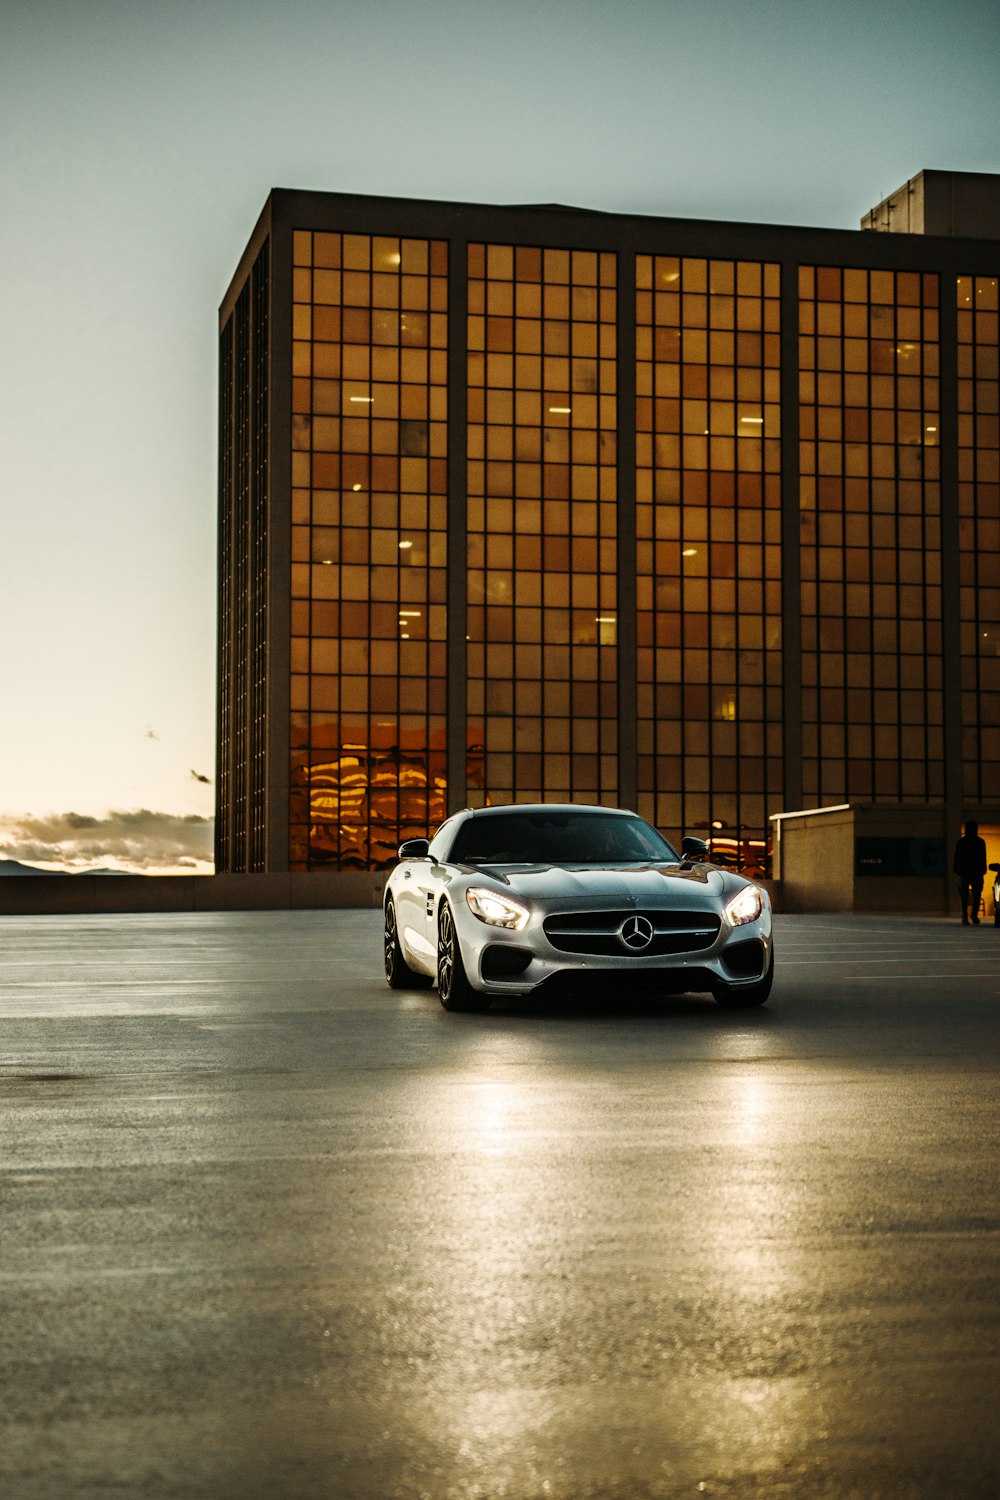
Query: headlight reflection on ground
{"points": [[497, 1272], [751, 1110]]}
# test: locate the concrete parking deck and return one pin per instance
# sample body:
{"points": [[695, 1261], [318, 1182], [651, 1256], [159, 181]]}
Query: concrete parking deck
{"points": [[270, 1229]]}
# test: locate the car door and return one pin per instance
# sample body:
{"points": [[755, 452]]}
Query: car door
{"points": [[419, 889], [429, 883], [411, 887]]}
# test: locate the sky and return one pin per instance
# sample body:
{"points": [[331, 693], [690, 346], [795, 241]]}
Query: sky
{"points": [[140, 141]]}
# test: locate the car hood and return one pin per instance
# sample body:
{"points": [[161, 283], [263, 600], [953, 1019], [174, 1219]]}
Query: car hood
{"points": [[684, 884]]}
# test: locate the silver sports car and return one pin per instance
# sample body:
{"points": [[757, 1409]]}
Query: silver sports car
{"points": [[523, 900]]}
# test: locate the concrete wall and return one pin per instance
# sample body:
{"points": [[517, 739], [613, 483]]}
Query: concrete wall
{"points": [[910, 893], [33, 894], [963, 204], [817, 862], [902, 212], [818, 868]]}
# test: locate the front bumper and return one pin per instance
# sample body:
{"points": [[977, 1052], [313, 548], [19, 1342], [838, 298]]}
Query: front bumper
{"points": [[503, 962]]}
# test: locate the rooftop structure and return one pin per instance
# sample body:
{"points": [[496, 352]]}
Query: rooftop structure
{"points": [[952, 203]]}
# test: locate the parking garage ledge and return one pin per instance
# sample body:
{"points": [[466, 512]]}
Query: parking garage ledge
{"points": [[43, 894]]}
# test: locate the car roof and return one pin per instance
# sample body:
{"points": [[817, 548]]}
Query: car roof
{"points": [[549, 807]]}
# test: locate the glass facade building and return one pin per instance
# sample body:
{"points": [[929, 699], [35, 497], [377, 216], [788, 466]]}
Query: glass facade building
{"points": [[536, 504]]}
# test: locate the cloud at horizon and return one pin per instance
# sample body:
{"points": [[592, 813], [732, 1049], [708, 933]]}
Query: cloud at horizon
{"points": [[140, 841]]}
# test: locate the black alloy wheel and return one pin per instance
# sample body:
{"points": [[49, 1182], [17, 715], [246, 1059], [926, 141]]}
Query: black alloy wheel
{"points": [[454, 989], [398, 974]]}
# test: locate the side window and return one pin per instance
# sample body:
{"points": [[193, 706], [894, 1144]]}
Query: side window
{"points": [[441, 842]]}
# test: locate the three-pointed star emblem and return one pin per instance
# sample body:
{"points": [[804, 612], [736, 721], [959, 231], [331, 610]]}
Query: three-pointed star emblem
{"points": [[635, 933]]}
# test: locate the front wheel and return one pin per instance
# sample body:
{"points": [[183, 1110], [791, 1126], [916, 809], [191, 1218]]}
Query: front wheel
{"points": [[746, 996], [398, 974], [454, 989]]}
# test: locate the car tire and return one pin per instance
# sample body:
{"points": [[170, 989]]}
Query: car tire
{"points": [[398, 974], [746, 996], [454, 990]]}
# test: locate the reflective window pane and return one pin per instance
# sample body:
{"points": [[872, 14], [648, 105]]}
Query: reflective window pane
{"points": [[368, 617]]}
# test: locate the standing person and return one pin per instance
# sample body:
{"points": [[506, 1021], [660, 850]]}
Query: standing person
{"points": [[969, 865]]}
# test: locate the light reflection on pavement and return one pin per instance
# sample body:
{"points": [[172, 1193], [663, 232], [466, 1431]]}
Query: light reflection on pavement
{"points": [[270, 1229]]}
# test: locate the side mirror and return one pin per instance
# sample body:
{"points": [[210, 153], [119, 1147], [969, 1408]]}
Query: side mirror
{"points": [[692, 848], [414, 849], [995, 867]]}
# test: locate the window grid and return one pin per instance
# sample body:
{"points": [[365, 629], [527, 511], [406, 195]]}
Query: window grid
{"points": [[241, 566], [979, 533], [258, 570], [223, 850], [369, 491], [870, 536], [542, 519], [708, 453]]}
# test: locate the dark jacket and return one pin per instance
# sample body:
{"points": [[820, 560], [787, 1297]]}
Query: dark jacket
{"points": [[970, 856]]}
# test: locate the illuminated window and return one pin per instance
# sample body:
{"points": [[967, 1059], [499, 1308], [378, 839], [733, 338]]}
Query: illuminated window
{"points": [[542, 604], [979, 533], [369, 476], [870, 536], [709, 534]]}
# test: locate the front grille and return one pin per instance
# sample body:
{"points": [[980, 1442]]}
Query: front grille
{"points": [[597, 932]]}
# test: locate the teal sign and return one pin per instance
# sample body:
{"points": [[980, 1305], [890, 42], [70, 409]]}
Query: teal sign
{"points": [[900, 857]]}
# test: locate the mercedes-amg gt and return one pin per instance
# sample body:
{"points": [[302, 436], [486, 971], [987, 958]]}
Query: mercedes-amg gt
{"points": [[526, 899]]}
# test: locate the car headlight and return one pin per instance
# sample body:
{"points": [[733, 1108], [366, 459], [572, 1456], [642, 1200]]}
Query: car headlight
{"points": [[746, 907], [498, 911]]}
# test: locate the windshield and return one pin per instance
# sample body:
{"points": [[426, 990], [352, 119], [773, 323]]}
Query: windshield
{"points": [[558, 838]]}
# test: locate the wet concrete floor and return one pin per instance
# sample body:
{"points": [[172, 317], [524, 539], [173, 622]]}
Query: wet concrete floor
{"points": [[271, 1230]]}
